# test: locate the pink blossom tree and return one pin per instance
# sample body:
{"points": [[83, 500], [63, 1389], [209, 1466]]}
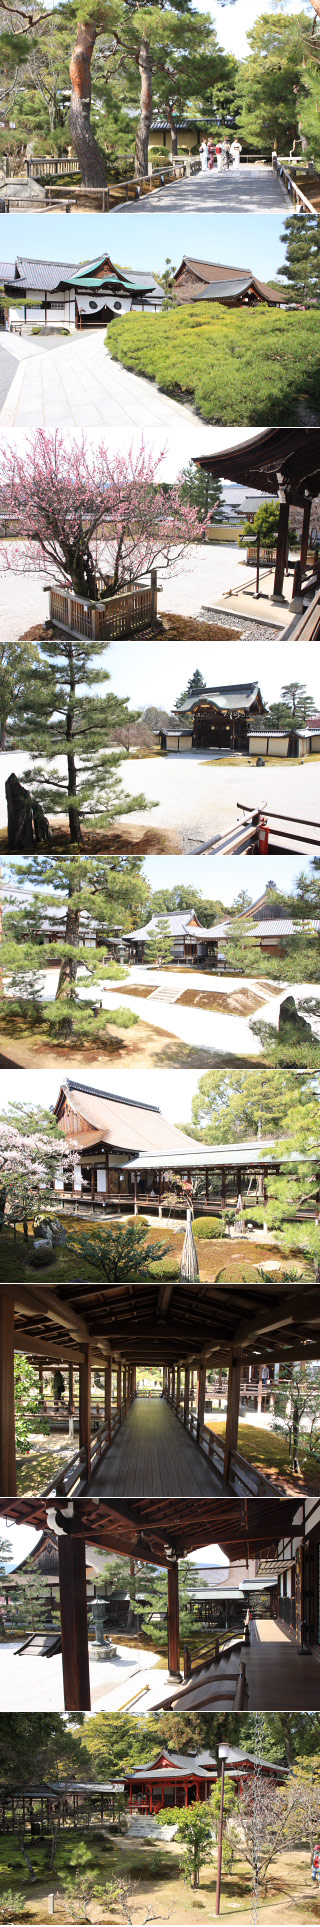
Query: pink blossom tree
{"points": [[94, 520], [30, 1159]]}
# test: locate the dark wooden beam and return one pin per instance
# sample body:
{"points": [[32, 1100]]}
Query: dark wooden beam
{"points": [[232, 1420], [173, 1620], [202, 1378], [35, 1300], [85, 1406], [282, 545], [74, 1623], [8, 1476]]}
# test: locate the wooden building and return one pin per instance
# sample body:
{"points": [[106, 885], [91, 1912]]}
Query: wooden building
{"points": [[170, 1780], [283, 463], [190, 939], [199, 944], [59, 295], [160, 1533], [220, 719], [212, 281], [131, 1158]]}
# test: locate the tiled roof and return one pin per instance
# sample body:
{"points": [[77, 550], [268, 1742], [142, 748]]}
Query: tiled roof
{"points": [[237, 696]]}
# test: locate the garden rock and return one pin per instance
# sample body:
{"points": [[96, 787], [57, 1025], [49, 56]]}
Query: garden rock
{"points": [[20, 819]]}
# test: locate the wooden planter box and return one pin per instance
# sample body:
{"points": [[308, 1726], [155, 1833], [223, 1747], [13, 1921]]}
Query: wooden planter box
{"points": [[126, 614]]}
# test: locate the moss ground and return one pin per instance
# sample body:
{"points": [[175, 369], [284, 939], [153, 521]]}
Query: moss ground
{"points": [[289, 1896]]}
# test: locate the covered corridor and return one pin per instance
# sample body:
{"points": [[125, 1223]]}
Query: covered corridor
{"points": [[152, 1452]]}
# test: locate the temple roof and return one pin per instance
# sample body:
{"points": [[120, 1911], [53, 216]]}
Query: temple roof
{"points": [[286, 458], [50, 275], [236, 697], [121, 1121], [180, 922]]}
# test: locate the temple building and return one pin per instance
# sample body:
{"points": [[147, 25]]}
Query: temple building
{"points": [[130, 1157], [71, 296], [197, 944], [212, 281], [220, 719], [170, 1780]]}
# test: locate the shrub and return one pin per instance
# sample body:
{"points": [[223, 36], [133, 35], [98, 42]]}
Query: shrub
{"points": [[208, 1228], [234, 365]]}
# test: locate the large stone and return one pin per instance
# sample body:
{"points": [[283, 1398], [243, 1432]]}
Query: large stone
{"points": [[20, 816]]}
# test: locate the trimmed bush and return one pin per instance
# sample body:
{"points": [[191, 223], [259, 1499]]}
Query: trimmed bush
{"points": [[208, 1228], [256, 366]]}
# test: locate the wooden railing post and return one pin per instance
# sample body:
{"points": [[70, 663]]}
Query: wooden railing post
{"points": [[108, 1394], [186, 1395]]}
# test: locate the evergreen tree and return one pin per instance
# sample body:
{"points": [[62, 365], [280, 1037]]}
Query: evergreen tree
{"points": [[15, 666], [297, 1405], [301, 268], [236, 1106], [121, 1252], [65, 720], [159, 946], [271, 80], [194, 687], [203, 492], [102, 893]]}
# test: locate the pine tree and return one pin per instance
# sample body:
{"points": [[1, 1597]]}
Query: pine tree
{"points": [[65, 720], [301, 268], [195, 687], [204, 493], [159, 945], [94, 894]]}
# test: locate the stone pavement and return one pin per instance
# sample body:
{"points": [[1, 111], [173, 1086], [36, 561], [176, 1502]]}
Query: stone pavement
{"points": [[78, 385], [8, 366], [247, 190]]}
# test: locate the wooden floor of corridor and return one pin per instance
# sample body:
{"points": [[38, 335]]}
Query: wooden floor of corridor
{"points": [[153, 1457], [279, 1676]]}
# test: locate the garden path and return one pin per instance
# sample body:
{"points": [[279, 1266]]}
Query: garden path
{"points": [[78, 385], [249, 190], [153, 1453]]}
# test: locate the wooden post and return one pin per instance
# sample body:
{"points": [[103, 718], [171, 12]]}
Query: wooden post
{"points": [[281, 551], [202, 1375], [71, 1391], [173, 1384], [300, 566], [232, 1420], [178, 1388], [119, 1388], [85, 1405], [124, 1386], [8, 1478], [108, 1394], [74, 1623], [186, 1395], [173, 1620]]}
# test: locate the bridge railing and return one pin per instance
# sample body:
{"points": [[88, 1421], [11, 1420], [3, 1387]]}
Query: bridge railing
{"points": [[244, 1478], [73, 1477], [289, 182]]}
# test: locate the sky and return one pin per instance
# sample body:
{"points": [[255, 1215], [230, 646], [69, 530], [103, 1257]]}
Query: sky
{"points": [[171, 1090], [243, 241], [233, 22], [150, 680], [208, 874]]}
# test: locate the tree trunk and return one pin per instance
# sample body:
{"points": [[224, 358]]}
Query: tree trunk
{"points": [[144, 60], [91, 159], [173, 131], [68, 969], [73, 812]]}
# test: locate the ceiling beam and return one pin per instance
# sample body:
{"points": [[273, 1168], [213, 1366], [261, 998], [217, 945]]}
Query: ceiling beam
{"points": [[297, 1308], [30, 1299]]}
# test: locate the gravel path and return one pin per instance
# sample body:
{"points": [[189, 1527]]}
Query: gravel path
{"points": [[203, 572], [249, 190]]}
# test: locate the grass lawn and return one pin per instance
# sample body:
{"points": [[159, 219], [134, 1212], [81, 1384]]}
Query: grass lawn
{"points": [[219, 1259], [268, 1452], [257, 366], [157, 1885]]}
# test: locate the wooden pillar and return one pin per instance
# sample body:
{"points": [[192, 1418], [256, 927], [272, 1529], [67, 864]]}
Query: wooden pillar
{"points": [[178, 1386], [305, 534], [124, 1385], [134, 1381], [108, 1393], [85, 1406], [232, 1420], [173, 1620], [173, 1384], [281, 550], [202, 1375], [71, 1391], [186, 1395], [74, 1623], [8, 1478], [119, 1388], [135, 1195]]}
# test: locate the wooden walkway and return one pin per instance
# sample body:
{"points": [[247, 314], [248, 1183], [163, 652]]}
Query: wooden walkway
{"points": [[278, 1676], [153, 1457]]}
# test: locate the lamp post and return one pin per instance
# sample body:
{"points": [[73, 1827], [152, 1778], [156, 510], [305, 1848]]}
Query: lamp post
{"points": [[223, 1755]]}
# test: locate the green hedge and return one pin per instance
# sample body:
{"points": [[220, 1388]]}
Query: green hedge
{"points": [[208, 1228], [254, 366]]}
